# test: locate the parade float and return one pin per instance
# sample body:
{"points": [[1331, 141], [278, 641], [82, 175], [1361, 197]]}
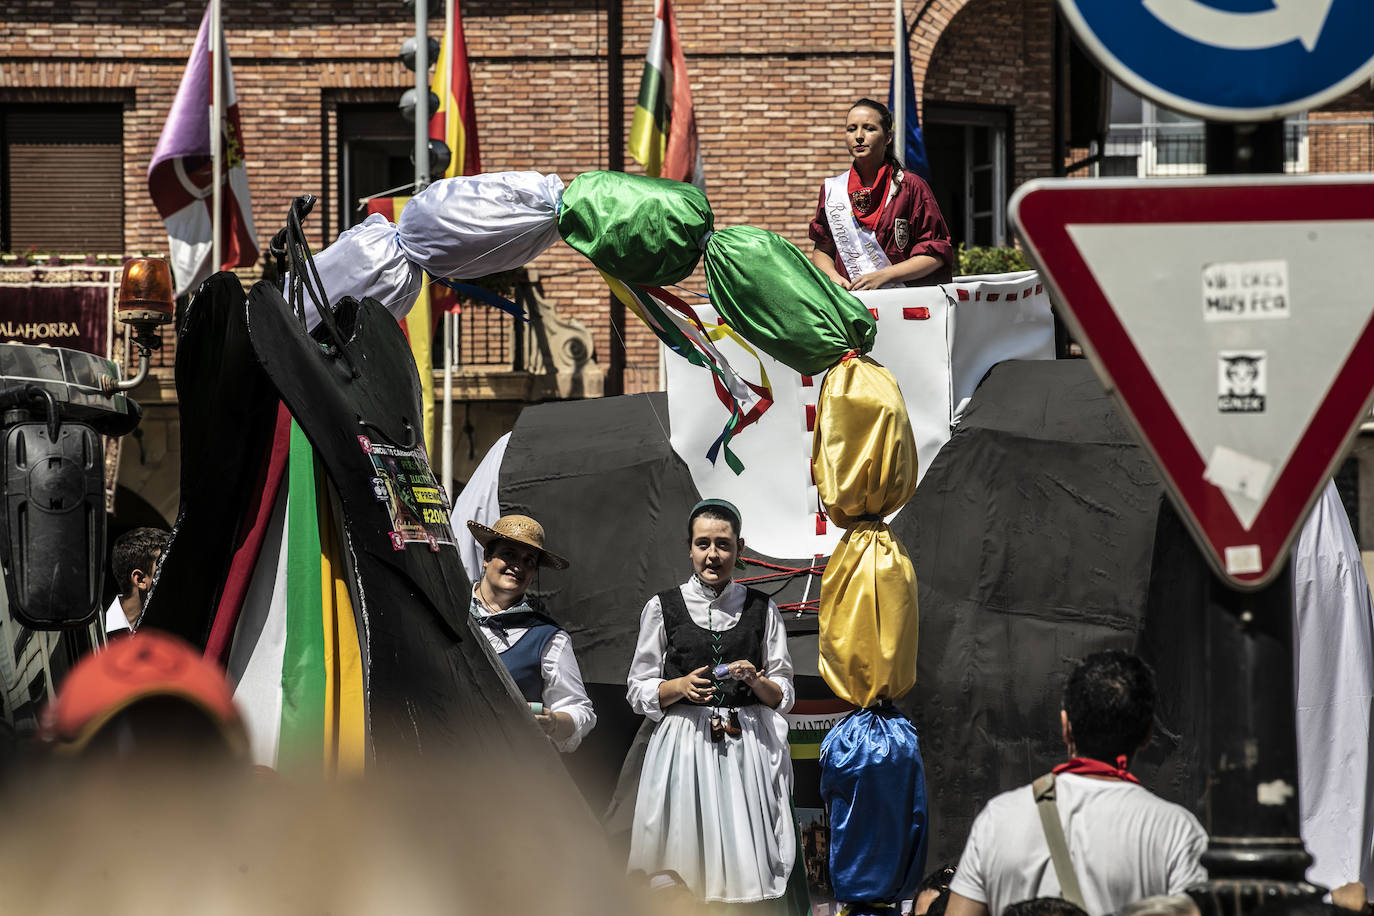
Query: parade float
{"points": [[873, 442]]}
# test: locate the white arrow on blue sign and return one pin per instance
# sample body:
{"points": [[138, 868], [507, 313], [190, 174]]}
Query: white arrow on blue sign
{"points": [[1231, 60]]}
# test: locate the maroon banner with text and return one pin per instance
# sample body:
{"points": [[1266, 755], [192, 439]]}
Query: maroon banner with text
{"points": [[59, 306]]}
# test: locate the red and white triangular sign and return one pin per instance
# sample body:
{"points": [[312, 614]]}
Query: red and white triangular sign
{"points": [[1231, 317]]}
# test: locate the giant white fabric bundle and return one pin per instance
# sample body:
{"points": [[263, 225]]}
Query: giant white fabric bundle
{"points": [[1333, 652], [367, 260], [476, 225]]}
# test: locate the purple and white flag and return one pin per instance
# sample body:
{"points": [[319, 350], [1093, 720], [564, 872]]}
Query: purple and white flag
{"points": [[180, 176]]}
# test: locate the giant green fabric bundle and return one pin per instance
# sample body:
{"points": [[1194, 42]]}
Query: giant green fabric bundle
{"points": [[780, 302], [645, 231]]}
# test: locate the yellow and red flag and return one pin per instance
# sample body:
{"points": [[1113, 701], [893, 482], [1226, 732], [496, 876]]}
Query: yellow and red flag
{"points": [[455, 123]]}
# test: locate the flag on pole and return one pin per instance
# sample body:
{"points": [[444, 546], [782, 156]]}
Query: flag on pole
{"points": [[180, 176], [912, 148], [663, 135], [455, 123]]}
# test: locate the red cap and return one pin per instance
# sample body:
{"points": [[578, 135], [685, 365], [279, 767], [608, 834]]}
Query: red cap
{"points": [[150, 664]]}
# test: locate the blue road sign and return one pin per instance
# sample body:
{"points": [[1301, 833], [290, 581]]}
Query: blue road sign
{"points": [[1233, 60]]}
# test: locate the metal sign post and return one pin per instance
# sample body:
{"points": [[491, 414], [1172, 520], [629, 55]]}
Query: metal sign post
{"points": [[1230, 318]]}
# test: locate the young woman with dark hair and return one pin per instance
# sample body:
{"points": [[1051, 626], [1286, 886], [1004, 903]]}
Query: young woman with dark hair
{"points": [[877, 225]]}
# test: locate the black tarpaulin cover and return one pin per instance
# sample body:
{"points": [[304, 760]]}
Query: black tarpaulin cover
{"points": [[1033, 535]]}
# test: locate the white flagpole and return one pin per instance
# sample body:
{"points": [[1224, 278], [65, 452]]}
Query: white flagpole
{"points": [[898, 82], [446, 448], [217, 135]]}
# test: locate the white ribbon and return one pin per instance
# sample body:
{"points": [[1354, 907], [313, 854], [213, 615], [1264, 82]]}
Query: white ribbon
{"points": [[857, 246]]}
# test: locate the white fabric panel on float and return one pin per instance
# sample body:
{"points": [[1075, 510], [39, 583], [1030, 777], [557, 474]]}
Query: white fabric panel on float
{"points": [[255, 656], [776, 493], [996, 317], [480, 502], [938, 341]]}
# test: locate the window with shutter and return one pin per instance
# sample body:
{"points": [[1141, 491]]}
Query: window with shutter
{"points": [[63, 178]]}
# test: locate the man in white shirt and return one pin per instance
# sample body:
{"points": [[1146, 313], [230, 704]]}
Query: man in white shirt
{"points": [[1124, 842], [133, 563], [536, 651]]}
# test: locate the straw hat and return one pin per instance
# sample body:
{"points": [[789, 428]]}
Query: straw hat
{"points": [[522, 530]]}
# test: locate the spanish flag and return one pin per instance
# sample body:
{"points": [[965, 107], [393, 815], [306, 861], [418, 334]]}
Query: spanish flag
{"points": [[663, 136], [455, 122]]}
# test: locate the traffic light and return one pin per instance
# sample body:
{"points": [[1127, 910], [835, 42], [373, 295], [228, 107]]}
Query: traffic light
{"points": [[407, 105], [408, 52], [412, 99], [439, 157]]}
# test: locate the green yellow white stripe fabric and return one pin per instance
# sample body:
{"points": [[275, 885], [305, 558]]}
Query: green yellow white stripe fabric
{"points": [[322, 728], [653, 108]]}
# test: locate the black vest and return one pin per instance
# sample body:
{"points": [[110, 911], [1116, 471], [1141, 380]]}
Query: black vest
{"points": [[691, 646]]}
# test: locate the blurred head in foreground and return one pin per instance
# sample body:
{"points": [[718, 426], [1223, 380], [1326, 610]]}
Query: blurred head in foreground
{"points": [[152, 696]]}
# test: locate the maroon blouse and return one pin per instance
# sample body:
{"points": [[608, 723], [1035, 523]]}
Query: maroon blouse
{"points": [[926, 232]]}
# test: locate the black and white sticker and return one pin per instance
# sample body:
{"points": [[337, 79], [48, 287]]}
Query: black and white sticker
{"points": [[1242, 381]]}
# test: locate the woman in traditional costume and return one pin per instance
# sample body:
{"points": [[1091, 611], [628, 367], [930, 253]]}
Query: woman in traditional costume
{"points": [[536, 651], [877, 224], [712, 669]]}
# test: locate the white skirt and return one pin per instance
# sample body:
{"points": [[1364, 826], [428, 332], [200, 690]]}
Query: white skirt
{"points": [[717, 813]]}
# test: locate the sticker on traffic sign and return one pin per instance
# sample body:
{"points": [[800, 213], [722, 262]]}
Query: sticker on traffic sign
{"points": [[1238, 60], [1234, 321]]}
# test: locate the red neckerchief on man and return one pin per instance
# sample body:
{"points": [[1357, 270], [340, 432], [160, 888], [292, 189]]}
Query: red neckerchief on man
{"points": [[1086, 766], [868, 201]]}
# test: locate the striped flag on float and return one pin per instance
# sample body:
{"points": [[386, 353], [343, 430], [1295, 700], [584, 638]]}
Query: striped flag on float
{"points": [[418, 323], [663, 135], [180, 179], [455, 123], [300, 689], [809, 721]]}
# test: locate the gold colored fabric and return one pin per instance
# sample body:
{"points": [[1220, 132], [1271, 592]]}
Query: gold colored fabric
{"points": [[869, 617], [863, 452], [863, 455]]}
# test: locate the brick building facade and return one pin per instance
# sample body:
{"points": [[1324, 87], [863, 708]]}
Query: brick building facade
{"points": [[771, 81]]}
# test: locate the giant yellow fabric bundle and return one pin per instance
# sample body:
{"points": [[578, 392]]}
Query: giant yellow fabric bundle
{"points": [[863, 456]]}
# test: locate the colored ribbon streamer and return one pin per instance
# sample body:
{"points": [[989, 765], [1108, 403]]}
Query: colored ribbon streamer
{"points": [[678, 326], [485, 296]]}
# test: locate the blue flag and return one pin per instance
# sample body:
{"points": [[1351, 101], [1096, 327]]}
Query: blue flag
{"points": [[912, 148]]}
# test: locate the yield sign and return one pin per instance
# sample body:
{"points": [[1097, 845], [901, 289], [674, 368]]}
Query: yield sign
{"points": [[1232, 320]]}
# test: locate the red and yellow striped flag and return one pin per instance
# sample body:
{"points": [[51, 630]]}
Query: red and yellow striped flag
{"points": [[663, 135], [455, 122]]}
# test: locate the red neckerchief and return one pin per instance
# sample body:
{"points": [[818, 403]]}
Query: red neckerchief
{"points": [[1086, 766], [867, 203]]}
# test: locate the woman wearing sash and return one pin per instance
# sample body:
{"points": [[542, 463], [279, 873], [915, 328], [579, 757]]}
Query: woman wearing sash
{"points": [[877, 225], [711, 668]]}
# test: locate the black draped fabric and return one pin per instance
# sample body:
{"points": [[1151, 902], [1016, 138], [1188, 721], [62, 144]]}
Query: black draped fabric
{"points": [[432, 686], [1033, 538], [690, 646], [228, 409], [1037, 536]]}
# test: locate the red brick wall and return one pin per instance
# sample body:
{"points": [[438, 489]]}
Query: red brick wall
{"points": [[771, 83], [999, 52]]}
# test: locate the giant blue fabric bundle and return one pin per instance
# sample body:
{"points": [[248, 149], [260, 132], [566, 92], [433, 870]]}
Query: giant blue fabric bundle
{"points": [[873, 786]]}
